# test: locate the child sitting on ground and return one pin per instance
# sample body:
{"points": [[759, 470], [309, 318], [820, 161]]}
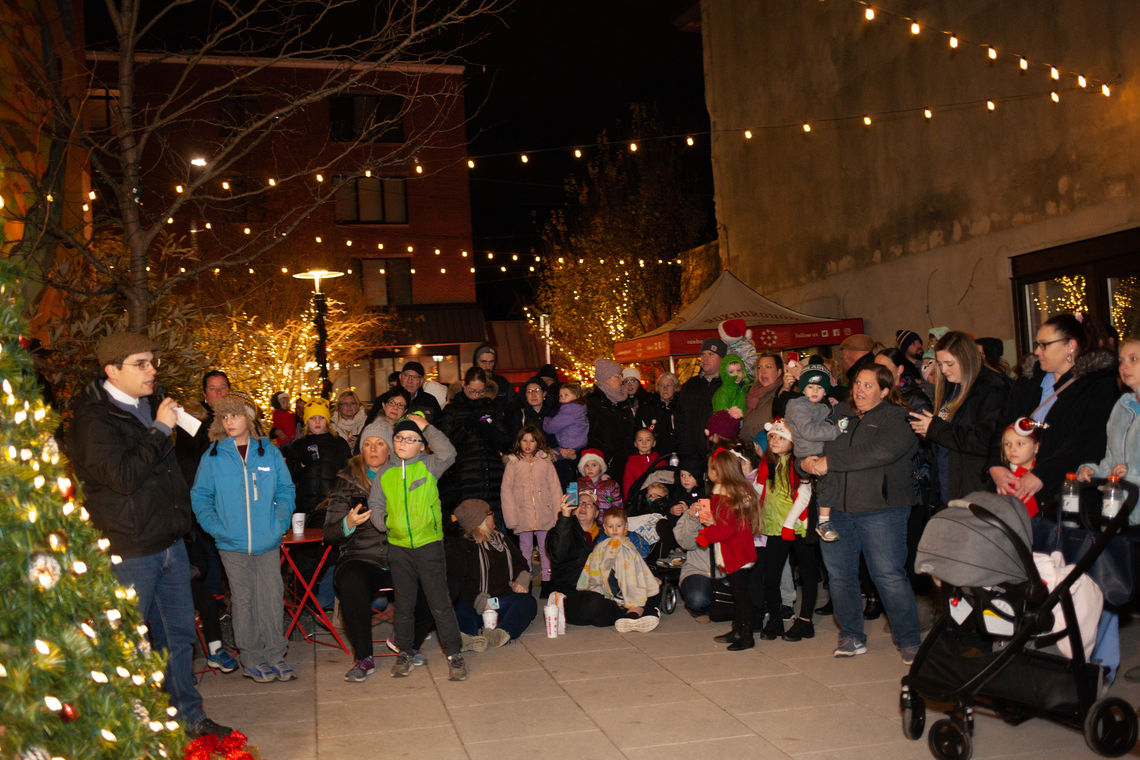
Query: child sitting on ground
{"points": [[616, 570], [809, 418], [1019, 452], [606, 491]]}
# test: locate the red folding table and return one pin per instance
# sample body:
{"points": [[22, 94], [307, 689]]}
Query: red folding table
{"points": [[308, 598]]}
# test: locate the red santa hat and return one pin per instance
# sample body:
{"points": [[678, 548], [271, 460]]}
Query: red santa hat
{"points": [[591, 455], [732, 330]]}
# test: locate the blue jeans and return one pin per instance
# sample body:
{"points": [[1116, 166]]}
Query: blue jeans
{"points": [[516, 611], [881, 538], [697, 594], [162, 582]]}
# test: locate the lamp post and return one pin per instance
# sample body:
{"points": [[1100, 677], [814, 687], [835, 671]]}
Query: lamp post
{"points": [[321, 308]]}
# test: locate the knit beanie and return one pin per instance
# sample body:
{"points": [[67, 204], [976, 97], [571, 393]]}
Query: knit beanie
{"points": [[470, 513], [779, 428], [603, 370], [378, 428], [548, 370], [723, 424], [591, 455], [407, 425], [936, 333], [904, 338], [716, 345], [816, 374]]}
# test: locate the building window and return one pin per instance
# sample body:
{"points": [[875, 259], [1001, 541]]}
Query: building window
{"points": [[388, 282], [102, 109], [366, 118], [372, 200], [237, 111]]}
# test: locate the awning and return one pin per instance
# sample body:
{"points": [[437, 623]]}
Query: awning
{"points": [[773, 326]]}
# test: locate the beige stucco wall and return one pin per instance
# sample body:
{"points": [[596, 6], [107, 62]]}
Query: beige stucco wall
{"points": [[912, 223]]}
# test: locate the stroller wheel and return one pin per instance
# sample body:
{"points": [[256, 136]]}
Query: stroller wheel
{"points": [[1111, 727], [948, 740], [913, 710], [668, 598]]}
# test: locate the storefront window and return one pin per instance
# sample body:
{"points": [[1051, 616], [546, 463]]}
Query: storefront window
{"points": [[1124, 304], [1045, 298]]}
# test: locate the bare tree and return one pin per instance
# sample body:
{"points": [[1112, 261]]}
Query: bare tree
{"points": [[291, 56]]}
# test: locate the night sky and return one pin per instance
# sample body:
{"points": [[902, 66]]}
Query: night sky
{"points": [[557, 74]]}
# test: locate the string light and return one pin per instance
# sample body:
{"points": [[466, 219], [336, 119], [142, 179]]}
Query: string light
{"points": [[91, 195], [748, 134], [869, 14], [633, 147], [927, 113], [867, 120], [915, 28], [992, 53], [991, 105], [1081, 81], [225, 185], [806, 127], [470, 164], [1055, 97], [577, 153], [419, 169], [367, 172], [953, 42], [320, 178], [1054, 73], [1023, 62], [524, 158], [688, 141]]}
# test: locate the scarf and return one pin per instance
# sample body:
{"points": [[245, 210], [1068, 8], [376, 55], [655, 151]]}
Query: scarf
{"points": [[349, 426], [617, 396], [619, 557], [758, 392]]}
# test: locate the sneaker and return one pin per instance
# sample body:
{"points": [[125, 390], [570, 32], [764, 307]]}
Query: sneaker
{"points": [[223, 661], [403, 665], [850, 647], [827, 532], [908, 654], [496, 637], [702, 619], [418, 659], [645, 624], [205, 727], [456, 668], [261, 673], [390, 642], [361, 670], [473, 643], [801, 629], [282, 670]]}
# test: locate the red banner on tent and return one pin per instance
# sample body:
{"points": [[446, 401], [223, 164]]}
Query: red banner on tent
{"points": [[766, 337]]}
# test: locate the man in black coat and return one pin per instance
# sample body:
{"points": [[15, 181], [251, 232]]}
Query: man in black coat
{"points": [[694, 406], [412, 380], [121, 449]]}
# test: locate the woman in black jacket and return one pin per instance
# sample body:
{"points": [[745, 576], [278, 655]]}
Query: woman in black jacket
{"points": [[534, 405], [475, 424], [658, 411], [968, 399], [1070, 388]]}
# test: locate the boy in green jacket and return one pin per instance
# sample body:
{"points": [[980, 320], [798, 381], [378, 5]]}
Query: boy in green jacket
{"points": [[405, 500]]}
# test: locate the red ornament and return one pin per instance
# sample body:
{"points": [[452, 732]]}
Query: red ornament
{"points": [[68, 713]]}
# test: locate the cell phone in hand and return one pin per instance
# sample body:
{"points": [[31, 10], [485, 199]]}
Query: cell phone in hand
{"points": [[793, 357], [705, 513], [572, 492]]}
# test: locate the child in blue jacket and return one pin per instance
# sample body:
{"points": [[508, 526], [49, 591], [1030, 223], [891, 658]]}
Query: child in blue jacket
{"points": [[243, 496]]}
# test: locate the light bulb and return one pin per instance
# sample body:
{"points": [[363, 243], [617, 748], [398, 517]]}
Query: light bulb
{"points": [[991, 105], [688, 141], [1081, 80], [869, 13], [1055, 97], [807, 127], [577, 153], [748, 134], [1024, 64], [524, 158], [633, 147], [1054, 73], [953, 41], [867, 120], [470, 164], [915, 28], [992, 53]]}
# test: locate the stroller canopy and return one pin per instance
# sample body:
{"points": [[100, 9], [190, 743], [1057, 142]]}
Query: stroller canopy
{"points": [[963, 550]]}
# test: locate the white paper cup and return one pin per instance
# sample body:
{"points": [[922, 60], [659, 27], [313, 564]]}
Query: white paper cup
{"points": [[551, 614], [298, 523], [490, 618]]}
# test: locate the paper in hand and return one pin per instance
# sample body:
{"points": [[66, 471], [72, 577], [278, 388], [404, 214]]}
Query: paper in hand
{"points": [[188, 422]]}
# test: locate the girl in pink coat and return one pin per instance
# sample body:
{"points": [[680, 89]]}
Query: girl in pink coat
{"points": [[531, 496]]}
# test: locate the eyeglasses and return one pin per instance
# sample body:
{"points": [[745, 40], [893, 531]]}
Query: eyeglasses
{"points": [[407, 439], [1044, 344], [534, 390], [396, 404], [143, 364]]}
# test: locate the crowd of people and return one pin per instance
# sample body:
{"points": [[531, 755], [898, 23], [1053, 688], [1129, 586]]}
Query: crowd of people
{"points": [[760, 473]]}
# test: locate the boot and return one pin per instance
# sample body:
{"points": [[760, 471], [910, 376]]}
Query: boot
{"points": [[727, 638], [801, 629], [773, 630], [544, 590], [826, 609], [873, 609], [745, 640]]}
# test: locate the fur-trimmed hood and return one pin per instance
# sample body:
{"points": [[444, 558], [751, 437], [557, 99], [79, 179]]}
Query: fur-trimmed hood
{"points": [[1087, 363], [490, 389], [235, 402]]}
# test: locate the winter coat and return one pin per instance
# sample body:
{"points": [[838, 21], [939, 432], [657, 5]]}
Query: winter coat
{"points": [[424, 403], [404, 499], [607, 492], [531, 493], [694, 407], [872, 459], [478, 431], [636, 465], [632, 405], [1123, 444], [568, 547], [968, 434], [1078, 419], [732, 534], [761, 409], [522, 414], [132, 485], [314, 461], [190, 448], [732, 391], [474, 568], [660, 417], [811, 424], [569, 426], [611, 430], [368, 542], [245, 505]]}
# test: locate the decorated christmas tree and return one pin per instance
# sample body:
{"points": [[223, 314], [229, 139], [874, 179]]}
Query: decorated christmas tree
{"points": [[78, 678]]}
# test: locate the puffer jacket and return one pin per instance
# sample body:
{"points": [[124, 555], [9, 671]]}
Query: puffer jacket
{"points": [[872, 459], [244, 505], [568, 426], [132, 485], [368, 542], [314, 461], [405, 497], [1077, 421], [531, 493], [478, 431]]}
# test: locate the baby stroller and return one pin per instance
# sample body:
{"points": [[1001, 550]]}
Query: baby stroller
{"points": [[669, 575], [995, 645]]}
